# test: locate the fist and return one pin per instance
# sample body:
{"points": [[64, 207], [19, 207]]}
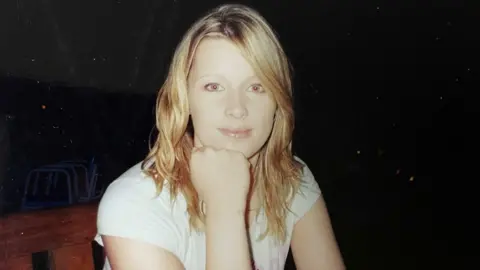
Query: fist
{"points": [[220, 176]]}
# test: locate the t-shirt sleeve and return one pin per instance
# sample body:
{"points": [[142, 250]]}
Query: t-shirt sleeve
{"points": [[307, 194], [130, 209]]}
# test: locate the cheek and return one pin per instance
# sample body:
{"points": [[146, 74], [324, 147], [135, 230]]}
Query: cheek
{"points": [[203, 117], [265, 120], [196, 105], [265, 111]]}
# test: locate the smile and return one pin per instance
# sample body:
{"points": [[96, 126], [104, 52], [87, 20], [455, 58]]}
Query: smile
{"points": [[236, 133]]}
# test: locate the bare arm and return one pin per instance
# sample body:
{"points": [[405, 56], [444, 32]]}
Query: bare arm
{"points": [[313, 241], [227, 242], [127, 254], [227, 247]]}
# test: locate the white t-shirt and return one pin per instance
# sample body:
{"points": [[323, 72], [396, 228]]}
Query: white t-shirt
{"points": [[130, 209]]}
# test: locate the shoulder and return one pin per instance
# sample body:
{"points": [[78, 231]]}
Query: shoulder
{"points": [[133, 187], [307, 193], [133, 190], [130, 208]]}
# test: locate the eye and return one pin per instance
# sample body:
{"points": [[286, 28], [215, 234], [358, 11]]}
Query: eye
{"points": [[213, 87], [257, 88]]}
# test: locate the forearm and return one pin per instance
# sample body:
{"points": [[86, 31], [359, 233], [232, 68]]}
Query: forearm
{"points": [[227, 240]]}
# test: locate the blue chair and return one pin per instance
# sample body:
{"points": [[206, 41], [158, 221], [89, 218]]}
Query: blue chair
{"points": [[79, 189], [90, 192], [31, 198]]}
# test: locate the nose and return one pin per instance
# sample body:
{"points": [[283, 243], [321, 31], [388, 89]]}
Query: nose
{"points": [[236, 105]]}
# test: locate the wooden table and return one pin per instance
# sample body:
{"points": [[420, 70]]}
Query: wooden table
{"points": [[66, 233]]}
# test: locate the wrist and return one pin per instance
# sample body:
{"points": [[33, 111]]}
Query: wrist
{"points": [[221, 218], [230, 209]]}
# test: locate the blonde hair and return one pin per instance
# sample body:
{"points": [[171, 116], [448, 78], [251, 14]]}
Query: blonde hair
{"points": [[277, 173]]}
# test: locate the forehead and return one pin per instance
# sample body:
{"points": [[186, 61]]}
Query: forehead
{"points": [[219, 57]]}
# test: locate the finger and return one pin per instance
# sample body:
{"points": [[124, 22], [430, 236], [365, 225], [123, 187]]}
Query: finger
{"points": [[198, 149], [208, 147], [201, 148]]}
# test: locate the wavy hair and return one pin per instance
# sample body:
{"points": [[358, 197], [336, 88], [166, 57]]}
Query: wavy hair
{"points": [[277, 173]]}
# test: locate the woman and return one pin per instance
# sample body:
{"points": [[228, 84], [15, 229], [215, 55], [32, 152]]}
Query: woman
{"points": [[220, 188]]}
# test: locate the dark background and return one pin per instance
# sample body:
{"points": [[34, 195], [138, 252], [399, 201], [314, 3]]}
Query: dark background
{"points": [[379, 97]]}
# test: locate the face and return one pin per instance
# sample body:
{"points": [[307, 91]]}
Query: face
{"points": [[228, 105]]}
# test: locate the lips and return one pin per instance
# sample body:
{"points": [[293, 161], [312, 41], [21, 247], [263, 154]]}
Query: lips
{"points": [[236, 133]]}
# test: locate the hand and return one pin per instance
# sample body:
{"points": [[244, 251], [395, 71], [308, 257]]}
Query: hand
{"points": [[221, 177]]}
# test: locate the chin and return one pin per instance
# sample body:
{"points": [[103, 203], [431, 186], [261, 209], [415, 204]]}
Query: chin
{"points": [[247, 153], [249, 148], [250, 153]]}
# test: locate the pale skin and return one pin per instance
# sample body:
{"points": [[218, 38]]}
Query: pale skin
{"points": [[224, 92]]}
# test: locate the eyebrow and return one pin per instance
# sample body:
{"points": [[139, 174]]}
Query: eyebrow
{"points": [[250, 78]]}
